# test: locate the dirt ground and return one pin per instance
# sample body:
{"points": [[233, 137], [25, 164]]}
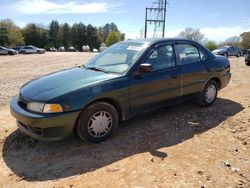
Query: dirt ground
{"points": [[180, 146]]}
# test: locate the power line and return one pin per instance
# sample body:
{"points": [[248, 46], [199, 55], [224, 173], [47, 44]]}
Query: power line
{"points": [[181, 7]]}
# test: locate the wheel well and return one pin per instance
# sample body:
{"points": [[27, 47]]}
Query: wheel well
{"points": [[217, 80], [112, 102]]}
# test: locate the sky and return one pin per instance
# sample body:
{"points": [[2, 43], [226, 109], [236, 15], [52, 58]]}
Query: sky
{"points": [[217, 19]]}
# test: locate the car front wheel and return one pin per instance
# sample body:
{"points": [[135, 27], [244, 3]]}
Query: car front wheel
{"points": [[97, 122], [209, 94]]}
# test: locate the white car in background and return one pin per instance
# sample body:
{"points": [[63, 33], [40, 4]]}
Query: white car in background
{"points": [[7, 51], [32, 50]]}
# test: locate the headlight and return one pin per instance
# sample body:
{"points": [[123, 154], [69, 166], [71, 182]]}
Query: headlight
{"points": [[44, 108], [35, 106]]}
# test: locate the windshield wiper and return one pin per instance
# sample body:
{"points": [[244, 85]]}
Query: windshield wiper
{"points": [[97, 69]]}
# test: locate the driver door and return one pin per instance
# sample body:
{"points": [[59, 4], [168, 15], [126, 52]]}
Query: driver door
{"points": [[156, 88]]}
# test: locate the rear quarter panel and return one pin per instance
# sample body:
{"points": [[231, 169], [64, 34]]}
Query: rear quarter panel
{"points": [[219, 67]]}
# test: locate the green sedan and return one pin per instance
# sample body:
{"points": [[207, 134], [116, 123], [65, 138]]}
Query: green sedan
{"points": [[126, 80]]}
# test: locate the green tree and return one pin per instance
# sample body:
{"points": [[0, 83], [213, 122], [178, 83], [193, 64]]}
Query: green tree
{"points": [[94, 39], [74, 36], [231, 41], [245, 42], [10, 34], [108, 28], [54, 33], [82, 37], [192, 34], [31, 34], [211, 45], [113, 38], [44, 38], [66, 35]]}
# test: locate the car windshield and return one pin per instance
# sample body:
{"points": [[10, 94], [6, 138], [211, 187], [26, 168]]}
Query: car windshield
{"points": [[3, 48], [118, 58]]}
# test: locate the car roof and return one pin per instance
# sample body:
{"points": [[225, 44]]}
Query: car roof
{"points": [[157, 40]]}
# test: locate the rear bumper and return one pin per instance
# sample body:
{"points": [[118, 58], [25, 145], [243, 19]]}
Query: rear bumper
{"points": [[44, 127]]}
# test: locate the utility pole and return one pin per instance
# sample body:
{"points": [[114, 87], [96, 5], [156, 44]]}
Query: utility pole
{"points": [[156, 15]]}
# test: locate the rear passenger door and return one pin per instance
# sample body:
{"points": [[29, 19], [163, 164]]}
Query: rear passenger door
{"points": [[191, 60]]}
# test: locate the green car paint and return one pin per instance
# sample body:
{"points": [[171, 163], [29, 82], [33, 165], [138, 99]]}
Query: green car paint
{"points": [[131, 94]]}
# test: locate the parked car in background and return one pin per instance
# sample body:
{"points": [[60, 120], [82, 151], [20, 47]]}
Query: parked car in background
{"points": [[126, 80], [95, 50], [7, 51], [228, 51], [72, 49], [17, 48], [53, 49], [61, 49], [86, 48], [32, 50], [247, 57]]}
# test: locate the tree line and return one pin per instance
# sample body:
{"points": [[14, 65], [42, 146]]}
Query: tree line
{"points": [[57, 35], [79, 35], [242, 41]]}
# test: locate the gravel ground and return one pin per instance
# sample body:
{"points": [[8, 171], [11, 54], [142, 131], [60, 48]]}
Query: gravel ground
{"points": [[180, 146]]}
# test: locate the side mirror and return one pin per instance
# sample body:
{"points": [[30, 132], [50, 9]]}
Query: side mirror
{"points": [[145, 68]]}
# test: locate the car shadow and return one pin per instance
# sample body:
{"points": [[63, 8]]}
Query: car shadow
{"points": [[40, 161]]}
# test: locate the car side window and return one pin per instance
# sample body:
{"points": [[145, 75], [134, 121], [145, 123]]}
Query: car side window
{"points": [[162, 57], [187, 54]]}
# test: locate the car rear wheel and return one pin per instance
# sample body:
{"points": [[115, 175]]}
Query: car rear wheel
{"points": [[97, 122], [10, 53], [209, 94]]}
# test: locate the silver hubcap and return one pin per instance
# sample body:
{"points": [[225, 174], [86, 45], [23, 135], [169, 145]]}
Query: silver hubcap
{"points": [[100, 124], [210, 93]]}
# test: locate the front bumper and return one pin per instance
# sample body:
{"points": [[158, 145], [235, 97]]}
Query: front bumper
{"points": [[44, 127]]}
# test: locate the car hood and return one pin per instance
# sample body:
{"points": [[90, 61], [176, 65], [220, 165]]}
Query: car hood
{"points": [[62, 82]]}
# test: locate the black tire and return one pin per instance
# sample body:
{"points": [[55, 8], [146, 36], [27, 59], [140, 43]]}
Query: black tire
{"points": [[238, 55], [10, 53], [202, 99], [38, 52], [85, 118]]}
